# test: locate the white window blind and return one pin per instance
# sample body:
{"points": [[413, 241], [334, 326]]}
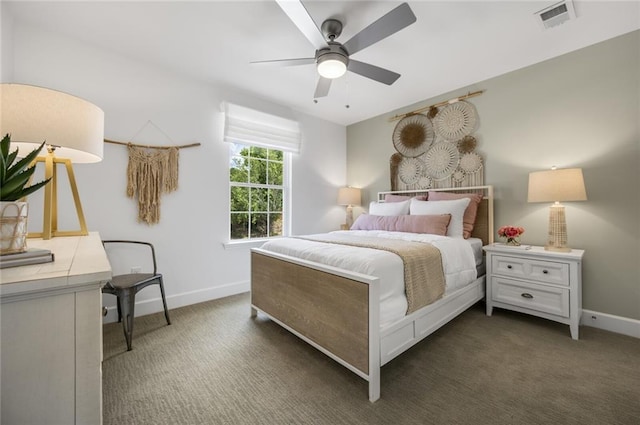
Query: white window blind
{"points": [[248, 126]]}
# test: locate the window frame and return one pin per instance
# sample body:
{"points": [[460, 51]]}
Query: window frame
{"points": [[286, 195]]}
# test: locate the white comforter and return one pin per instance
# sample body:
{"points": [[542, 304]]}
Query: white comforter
{"points": [[457, 259]]}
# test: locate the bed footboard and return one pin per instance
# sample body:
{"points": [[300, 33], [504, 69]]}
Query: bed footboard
{"points": [[333, 310]]}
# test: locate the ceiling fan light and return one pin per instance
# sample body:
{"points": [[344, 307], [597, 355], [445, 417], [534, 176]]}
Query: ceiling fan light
{"points": [[332, 65]]}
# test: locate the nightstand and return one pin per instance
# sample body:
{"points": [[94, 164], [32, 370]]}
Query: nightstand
{"points": [[531, 280]]}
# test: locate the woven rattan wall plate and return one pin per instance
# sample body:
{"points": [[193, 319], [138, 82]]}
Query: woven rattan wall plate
{"points": [[455, 121], [470, 162], [413, 135], [442, 160], [424, 182], [410, 170]]}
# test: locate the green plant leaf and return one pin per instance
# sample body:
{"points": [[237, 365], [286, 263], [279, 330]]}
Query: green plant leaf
{"points": [[3, 169], [16, 182], [23, 163], [7, 164], [4, 145], [21, 193], [14, 177]]}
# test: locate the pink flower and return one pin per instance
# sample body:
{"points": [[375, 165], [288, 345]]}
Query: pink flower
{"points": [[510, 231]]}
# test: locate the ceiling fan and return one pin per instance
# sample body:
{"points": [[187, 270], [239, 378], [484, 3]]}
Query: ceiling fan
{"points": [[332, 58]]}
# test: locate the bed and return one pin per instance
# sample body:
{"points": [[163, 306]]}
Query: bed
{"points": [[339, 310]]}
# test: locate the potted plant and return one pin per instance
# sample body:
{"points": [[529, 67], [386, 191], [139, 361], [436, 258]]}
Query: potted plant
{"points": [[14, 179]]}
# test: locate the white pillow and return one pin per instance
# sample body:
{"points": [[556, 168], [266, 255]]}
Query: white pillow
{"points": [[455, 207], [389, 208]]}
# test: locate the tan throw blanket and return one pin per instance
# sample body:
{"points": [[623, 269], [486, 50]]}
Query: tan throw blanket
{"points": [[424, 280]]}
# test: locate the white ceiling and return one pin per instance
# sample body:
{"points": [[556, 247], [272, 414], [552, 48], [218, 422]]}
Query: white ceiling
{"points": [[452, 44]]}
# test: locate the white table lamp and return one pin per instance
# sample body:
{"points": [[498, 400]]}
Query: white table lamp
{"points": [[557, 185], [349, 196], [73, 129]]}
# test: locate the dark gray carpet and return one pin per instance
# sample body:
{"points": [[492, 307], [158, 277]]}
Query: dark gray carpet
{"points": [[216, 365]]}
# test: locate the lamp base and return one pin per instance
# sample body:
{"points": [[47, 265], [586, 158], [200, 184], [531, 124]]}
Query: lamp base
{"points": [[557, 237], [50, 213], [349, 217]]}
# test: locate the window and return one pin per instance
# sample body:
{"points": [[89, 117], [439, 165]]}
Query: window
{"points": [[258, 184], [261, 146]]}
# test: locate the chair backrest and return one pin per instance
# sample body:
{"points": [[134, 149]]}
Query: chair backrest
{"points": [[131, 254]]}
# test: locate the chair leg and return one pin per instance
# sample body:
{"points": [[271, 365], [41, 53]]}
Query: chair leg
{"points": [[128, 301], [164, 302], [119, 310]]}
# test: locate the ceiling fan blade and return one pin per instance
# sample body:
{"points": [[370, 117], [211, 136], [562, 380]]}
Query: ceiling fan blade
{"points": [[399, 18], [322, 88], [374, 72], [296, 11], [287, 62]]}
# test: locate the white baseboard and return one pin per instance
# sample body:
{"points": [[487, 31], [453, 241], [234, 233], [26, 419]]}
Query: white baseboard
{"points": [[609, 322], [154, 305]]}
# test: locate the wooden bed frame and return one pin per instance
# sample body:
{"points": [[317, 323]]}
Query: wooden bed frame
{"points": [[338, 311]]}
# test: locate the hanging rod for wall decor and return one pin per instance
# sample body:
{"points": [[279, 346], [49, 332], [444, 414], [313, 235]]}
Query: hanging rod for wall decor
{"points": [[437, 105], [191, 145]]}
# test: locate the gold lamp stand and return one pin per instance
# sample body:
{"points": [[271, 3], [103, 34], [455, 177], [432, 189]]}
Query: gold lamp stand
{"points": [[50, 213]]}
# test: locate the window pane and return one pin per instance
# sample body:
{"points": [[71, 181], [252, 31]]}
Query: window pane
{"points": [[259, 225], [238, 169], [275, 173], [275, 155], [275, 200], [259, 200], [258, 172], [239, 198], [239, 150], [258, 152], [239, 225], [275, 224]]}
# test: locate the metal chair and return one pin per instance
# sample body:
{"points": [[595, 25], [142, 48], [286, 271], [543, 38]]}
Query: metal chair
{"points": [[126, 286]]}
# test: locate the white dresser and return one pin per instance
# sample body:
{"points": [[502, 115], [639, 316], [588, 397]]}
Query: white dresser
{"points": [[532, 280], [51, 335]]}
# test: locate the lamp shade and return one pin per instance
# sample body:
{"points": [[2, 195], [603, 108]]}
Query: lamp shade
{"points": [[349, 196], [557, 185], [35, 114]]}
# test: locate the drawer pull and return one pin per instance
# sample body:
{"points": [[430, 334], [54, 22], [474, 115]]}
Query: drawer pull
{"points": [[526, 295], [545, 271], [509, 266]]}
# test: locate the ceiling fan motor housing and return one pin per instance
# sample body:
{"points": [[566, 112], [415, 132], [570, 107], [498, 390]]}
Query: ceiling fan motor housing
{"points": [[335, 50]]}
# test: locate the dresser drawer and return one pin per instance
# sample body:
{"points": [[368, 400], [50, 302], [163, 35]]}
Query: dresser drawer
{"points": [[547, 299], [538, 270]]}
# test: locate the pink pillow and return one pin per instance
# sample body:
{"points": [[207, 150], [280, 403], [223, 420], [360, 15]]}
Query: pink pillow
{"points": [[400, 198], [469, 218], [433, 224]]}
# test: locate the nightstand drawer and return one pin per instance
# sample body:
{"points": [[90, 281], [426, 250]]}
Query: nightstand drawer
{"points": [[539, 270], [547, 299]]}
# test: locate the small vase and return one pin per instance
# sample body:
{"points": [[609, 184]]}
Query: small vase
{"points": [[13, 227], [513, 241]]}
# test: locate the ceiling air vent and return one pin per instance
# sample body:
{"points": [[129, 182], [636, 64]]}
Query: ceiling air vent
{"points": [[556, 14]]}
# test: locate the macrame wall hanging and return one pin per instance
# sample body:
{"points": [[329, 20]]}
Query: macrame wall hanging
{"points": [[437, 149], [151, 172]]}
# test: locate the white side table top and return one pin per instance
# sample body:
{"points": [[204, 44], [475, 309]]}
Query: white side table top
{"points": [[78, 260]]}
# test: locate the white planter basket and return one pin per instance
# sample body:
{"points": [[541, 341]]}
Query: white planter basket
{"points": [[13, 227]]}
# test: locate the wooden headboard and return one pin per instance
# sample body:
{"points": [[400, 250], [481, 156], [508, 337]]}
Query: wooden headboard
{"points": [[483, 228]]}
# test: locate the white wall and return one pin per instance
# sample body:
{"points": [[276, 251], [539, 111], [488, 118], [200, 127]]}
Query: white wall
{"points": [[581, 109], [194, 222], [6, 45]]}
